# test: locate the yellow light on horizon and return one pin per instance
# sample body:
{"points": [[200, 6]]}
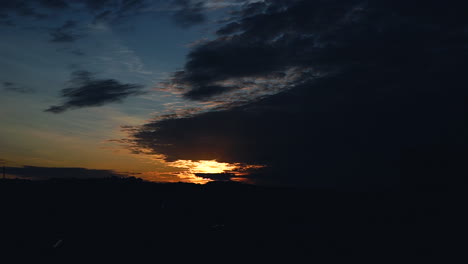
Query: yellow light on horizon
{"points": [[204, 166], [189, 169]]}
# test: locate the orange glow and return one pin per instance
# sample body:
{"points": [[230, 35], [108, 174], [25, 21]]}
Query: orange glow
{"points": [[181, 176], [210, 166], [186, 170], [204, 166]]}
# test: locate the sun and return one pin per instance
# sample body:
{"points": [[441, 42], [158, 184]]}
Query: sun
{"points": [[189, 170], [204, 166]]}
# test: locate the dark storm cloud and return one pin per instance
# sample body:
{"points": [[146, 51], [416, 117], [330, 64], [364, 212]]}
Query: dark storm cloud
{"points": [[13, 87], [380, 97], [200, 93], [279, 37], [87, 91], [65, 33], [39, 173]]}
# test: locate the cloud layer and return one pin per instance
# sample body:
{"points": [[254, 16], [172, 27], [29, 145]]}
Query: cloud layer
{"points": [[377, 97], [41, 173], [87, 91]]}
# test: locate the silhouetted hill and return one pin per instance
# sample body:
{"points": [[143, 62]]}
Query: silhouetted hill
{"points": [[125, 217]]}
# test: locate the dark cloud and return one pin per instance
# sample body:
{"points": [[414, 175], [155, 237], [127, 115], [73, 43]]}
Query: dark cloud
{"points": [[378, 96], [13, 87], [190, 13], [87, 91], [40, 173], [200, 93], [18, 7], [217, 176], [65, 33], [266, 45]]}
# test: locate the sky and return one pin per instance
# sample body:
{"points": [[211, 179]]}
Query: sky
{"points": [[329, 93]]}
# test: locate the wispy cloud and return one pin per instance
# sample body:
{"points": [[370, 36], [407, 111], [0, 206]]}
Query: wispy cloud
{"points": [[13, 87]]}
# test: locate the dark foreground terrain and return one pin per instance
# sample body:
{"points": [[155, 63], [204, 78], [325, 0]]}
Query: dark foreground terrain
{"points": [[127, 219]]}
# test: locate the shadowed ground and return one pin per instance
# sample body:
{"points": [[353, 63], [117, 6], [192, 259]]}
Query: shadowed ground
{"points": [[116, 219]]}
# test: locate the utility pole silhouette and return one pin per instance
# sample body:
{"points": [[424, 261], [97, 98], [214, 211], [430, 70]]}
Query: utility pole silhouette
{"points": [[4, 172]]}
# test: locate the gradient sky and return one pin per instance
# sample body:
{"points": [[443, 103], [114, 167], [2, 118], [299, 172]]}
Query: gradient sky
{"points": [[308, 93], [143, 46]]}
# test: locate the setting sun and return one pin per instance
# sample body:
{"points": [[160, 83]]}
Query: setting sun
{"points": [[196, 171], [204, 166]]}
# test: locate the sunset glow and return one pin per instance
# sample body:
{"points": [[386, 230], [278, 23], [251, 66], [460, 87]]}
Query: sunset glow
{"points": [[187, 170], [190, 168], [204, 166]]}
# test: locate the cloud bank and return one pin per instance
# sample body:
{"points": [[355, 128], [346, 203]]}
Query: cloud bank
{"points": [[42, 173], [377, 96]]}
